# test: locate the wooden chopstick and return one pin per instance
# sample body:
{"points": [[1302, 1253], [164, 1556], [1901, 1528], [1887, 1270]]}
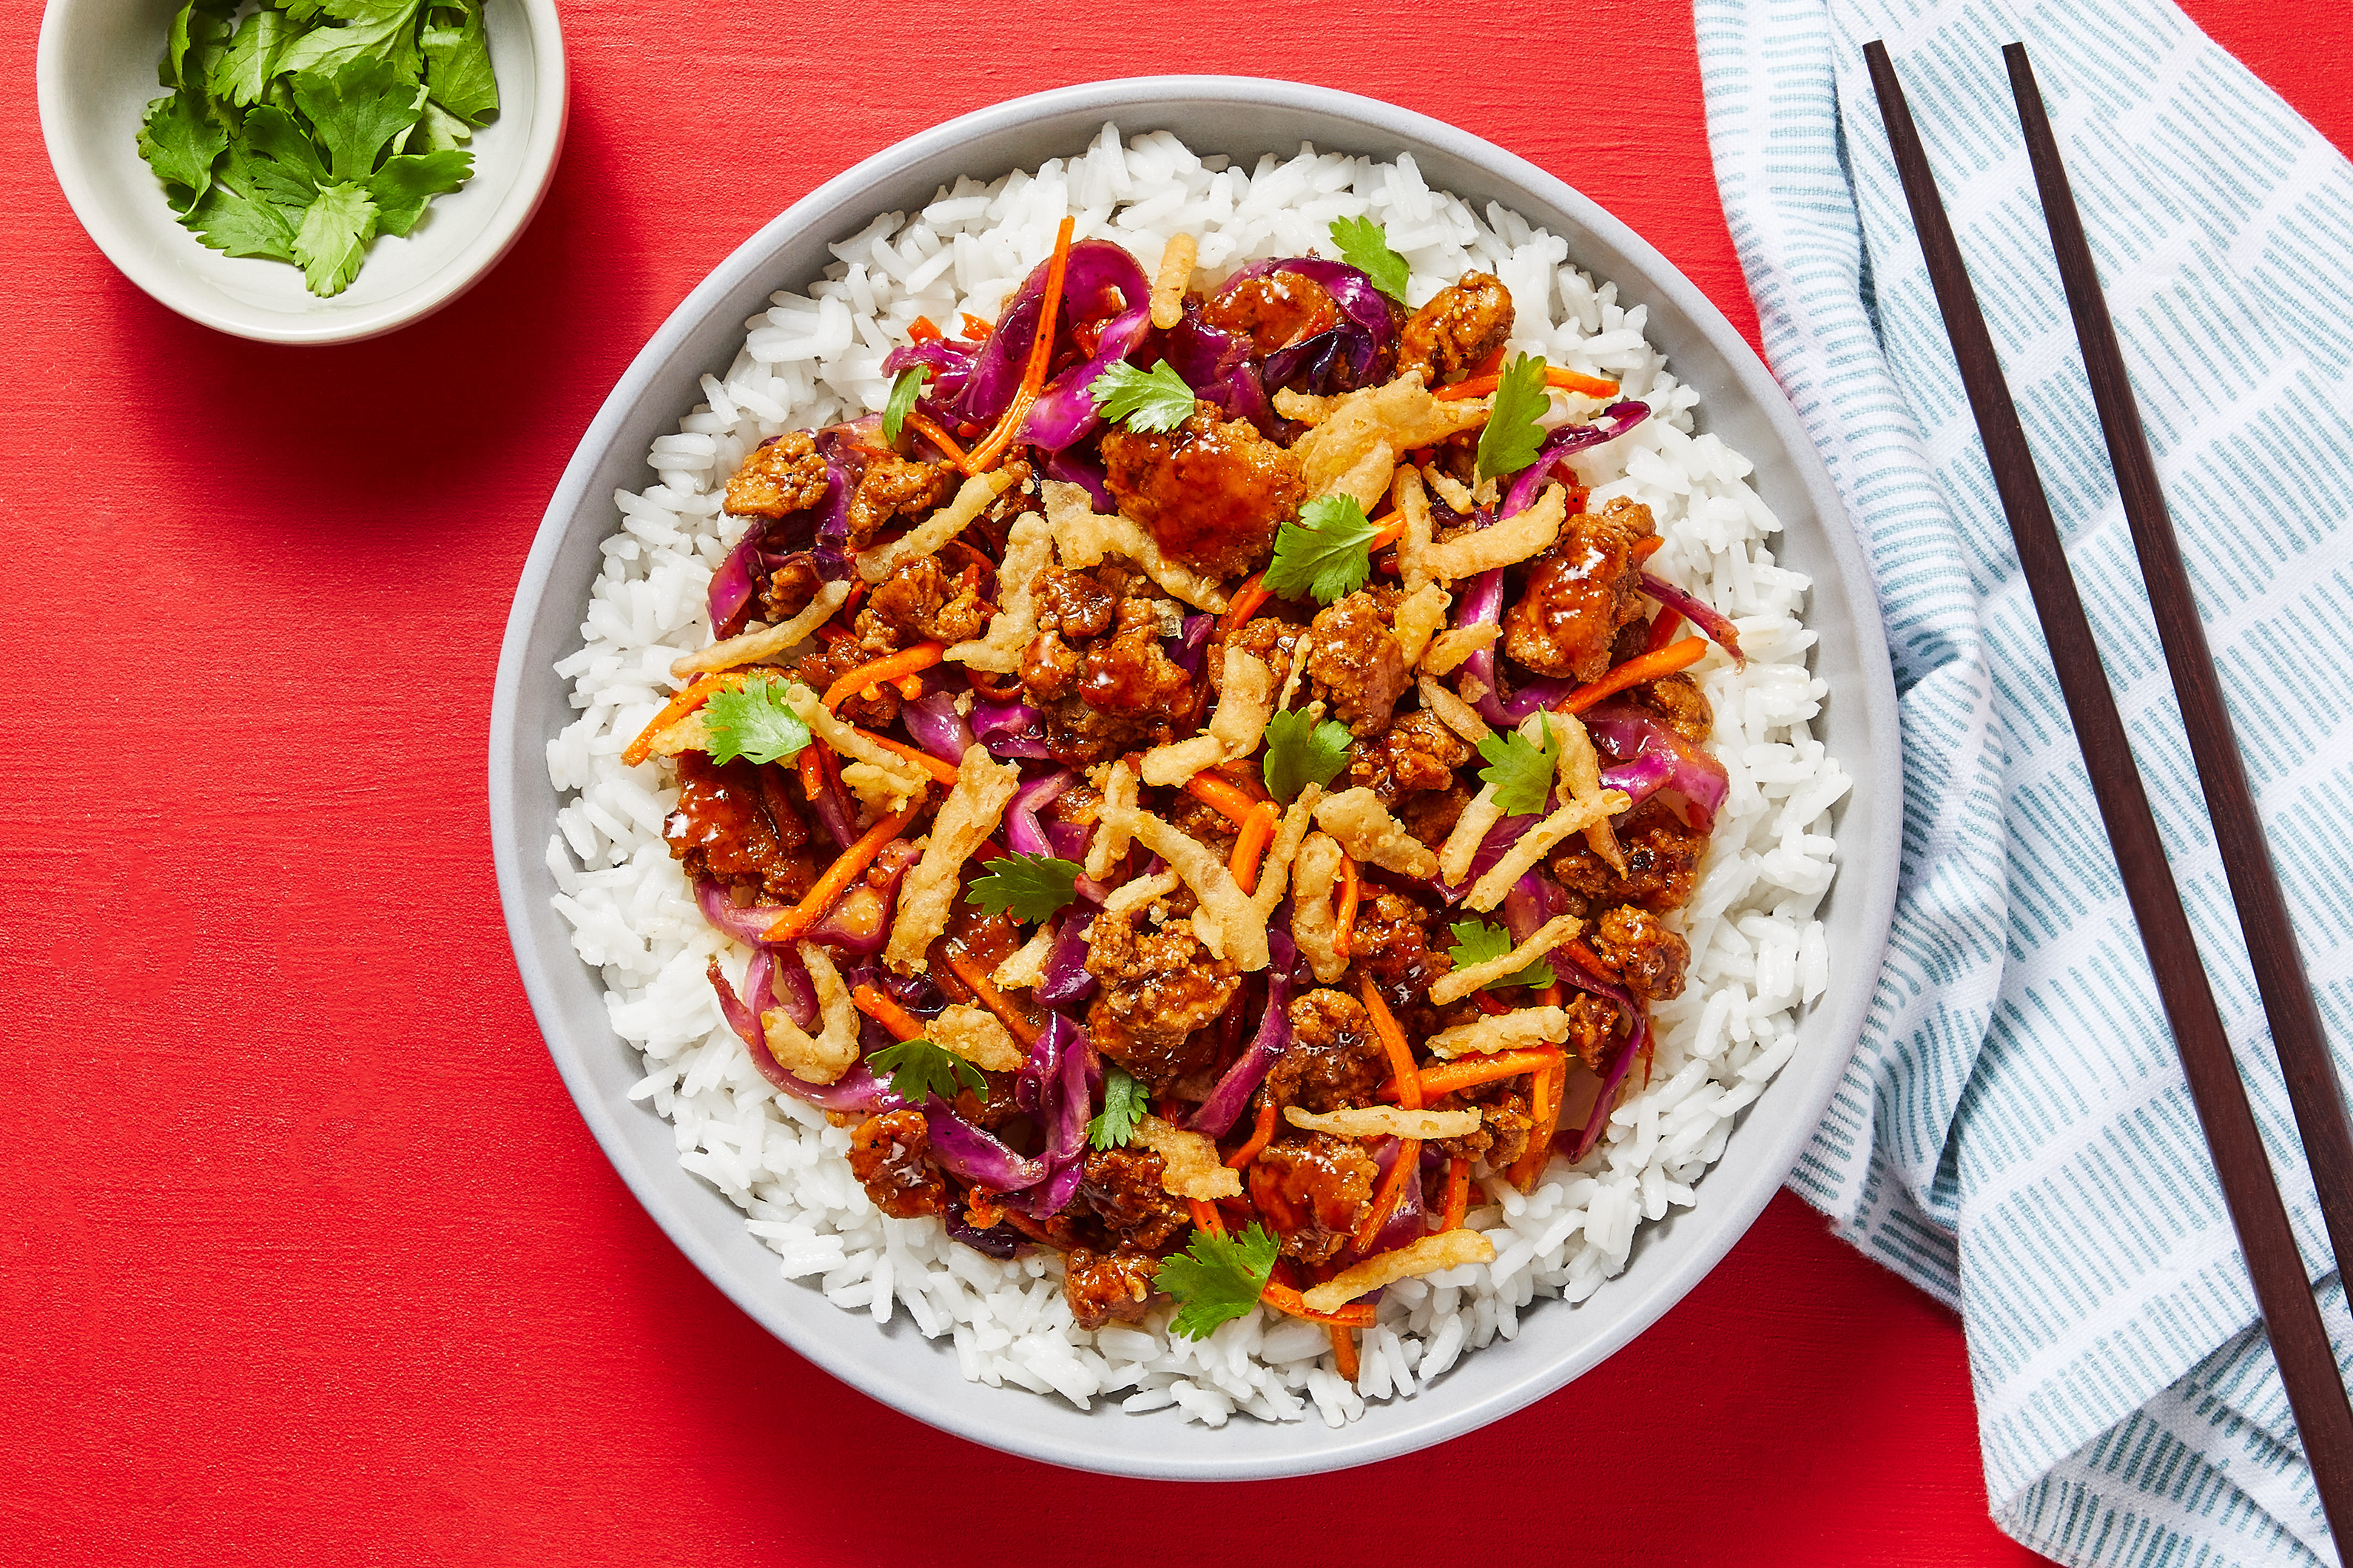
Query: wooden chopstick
{"points": [[2324, 1416], [2280, 977]]}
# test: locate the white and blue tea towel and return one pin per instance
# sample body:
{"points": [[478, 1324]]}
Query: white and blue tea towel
{"points": [[2014, 1133]]}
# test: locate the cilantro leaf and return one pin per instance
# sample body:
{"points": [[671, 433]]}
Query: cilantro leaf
{"points": [[1216, 1279], [333, 238], [919, 1069], [357, 110], [1155, 400], [383, 30], [1476, 942], [1031, 886], [199, 29], [441, 129], [1124, 1104], [1300, 751], [1509, 442], [181, 143], [408, 180], [457, 63], [1521, 772], [903, 392], [1364, 246], [241, 73], [240, 223], [1325, 553], [274, 159], [754, 721]]}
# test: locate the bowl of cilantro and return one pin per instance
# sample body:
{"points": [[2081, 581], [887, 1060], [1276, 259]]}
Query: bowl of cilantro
{"points": [[302, 171]]}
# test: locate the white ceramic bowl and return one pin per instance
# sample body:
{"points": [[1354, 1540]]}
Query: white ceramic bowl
{"points": [[96, 72], [1241, 117]]}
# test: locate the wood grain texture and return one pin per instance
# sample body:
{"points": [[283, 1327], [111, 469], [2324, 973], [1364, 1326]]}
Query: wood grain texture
{"points": [[304, 1254]]}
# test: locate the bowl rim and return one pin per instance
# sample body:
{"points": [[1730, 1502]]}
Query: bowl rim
{"points": [[1866, 866], [542, 146]]}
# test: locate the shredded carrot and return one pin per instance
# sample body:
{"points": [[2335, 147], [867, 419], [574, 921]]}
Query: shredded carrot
{"points": [[1386, 537], [1550, 997], [1032, 1229], [1543, 1111], [920, 329], [1343, 1351], [975, 976], [875, 1005], [922, 425], [1205, 1218], [1261, 1136], [1664, 627], [696, 694], [1648, 547], [857, 593], [1384, 1025], [840, 874], [942, 770], [812, 767], [1643, 667], [1445, 1077], [997, 442], [1286, 1300], [1258, 832], [1457, 1194], [1408, 1164], [1566, 380], [1245, 602], [1488, 1004], [1493, 363], [1350, 892], [975, 327], [1221, 794], [889, 667]]}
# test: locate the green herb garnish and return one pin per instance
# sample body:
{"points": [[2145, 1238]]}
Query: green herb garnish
{"points": [[1324, 555], [754, 721], [1216, 1279], [919, 1069], [1300, 751], [1364, 246], [1510, 441], [1029, 887], [1124, 1105], [1476, 942], [1521, 771], [903, 392], [1155, 400], [312, 126]]}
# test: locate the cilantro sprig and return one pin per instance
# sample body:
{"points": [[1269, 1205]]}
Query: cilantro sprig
{"points": [[754, 721], [1364, 246], [1027, 887], [303, 131], [1476, 942], [919, 1069], [1325, 553], [1124, 1106], [1153, 400], [1216, 1279], [1521, 772], [1300, 751], [903, 392], [1510, 441]]}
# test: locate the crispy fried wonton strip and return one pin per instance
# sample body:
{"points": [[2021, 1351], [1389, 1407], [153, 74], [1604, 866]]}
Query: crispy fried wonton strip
{"points": [[831, 1054], [753, 646], [1315, 925], [1455, 985], [1342, 453], [984, 787], [1245, 702], [972, 499], [1417, 615], [976, 1035], [1169, 283], [1502, 1032], [1533, 846], [1432, 1254], [1449, 488], [1138, 891], [1385, 1121], [1511, 541], [1452, 712], [1206, 874], [1028, 549], [880, 792], [1274, 871], [1024, 968], [1118, 785], [845, 739], [1366, 829], [1471, 830], [1085, 536], [1189, 1164], [1580, 780], [1412, 504], [1448, 649]]}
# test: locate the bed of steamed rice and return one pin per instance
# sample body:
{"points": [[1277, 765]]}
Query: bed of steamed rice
{"points": [[1757, 952]]}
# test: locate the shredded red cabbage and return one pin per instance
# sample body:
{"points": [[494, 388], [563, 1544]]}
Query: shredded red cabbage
{"points": [[1065, 413], [1000, 1241], [1056, 1086], [1641, 778], [1699, 613], [1217, 366], [1066, 982], [1010, 730], [1219, 1113], [1023, 835], [1631, 733], [936, 726], [1087, 472], [860, 920], [1628, 1055], [856, 1090], [1606, 426], [967, 1152], [1098, 279], [1406, 1222], [746, 923], [1534, 898], [1368, 325]]}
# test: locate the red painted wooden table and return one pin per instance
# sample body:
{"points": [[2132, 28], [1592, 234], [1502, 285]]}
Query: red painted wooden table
{"points": [[304, 1255]]}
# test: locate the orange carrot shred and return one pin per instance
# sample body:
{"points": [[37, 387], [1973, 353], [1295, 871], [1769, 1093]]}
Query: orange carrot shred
{"points": [[1648, 547], [1393, 1041], [1261, 1136], [1221, 794], [1343, 1351], [1664, 627], [997, 442], [1643, 667], [840, 874], [1245, 602], [975, 327], [921, 330], [1566, 380], [1205, 1218], [883, 1010], [929, 431], [945, 772], [1286, 1300], [889, 667], [975, 976], [1406, 1163], [1543, 1111], [696, 694], [1445, 1077], [1350, 892], [1258, 832], [1457, 1194]]}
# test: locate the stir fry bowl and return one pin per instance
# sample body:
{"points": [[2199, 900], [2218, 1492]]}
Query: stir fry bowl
{"points": [[1242, 116]]}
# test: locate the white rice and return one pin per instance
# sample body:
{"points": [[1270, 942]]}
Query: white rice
{"points": [[1757, 952]]}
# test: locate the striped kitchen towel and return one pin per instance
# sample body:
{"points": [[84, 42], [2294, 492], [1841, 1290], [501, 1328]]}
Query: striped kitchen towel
{"points": [[2014, 1133]]}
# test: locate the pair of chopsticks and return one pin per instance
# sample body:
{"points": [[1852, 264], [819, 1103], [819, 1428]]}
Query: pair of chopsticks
{"points": [[2324, 1416]]}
